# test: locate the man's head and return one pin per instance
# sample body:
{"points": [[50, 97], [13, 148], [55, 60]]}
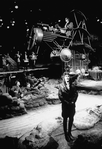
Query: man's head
{"points": [[66, 20], [17, 83], [66, 80]]}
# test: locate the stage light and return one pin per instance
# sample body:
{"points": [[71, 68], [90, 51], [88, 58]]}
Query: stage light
{"points": [[31, 10], [11, 11], [1, 20], [13, 21], [16, 7], [12, 24], [66, 55], [27, 29], [8, 27]]}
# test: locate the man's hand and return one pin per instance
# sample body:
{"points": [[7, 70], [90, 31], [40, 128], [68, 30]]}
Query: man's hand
{"points": [[68, 102]]}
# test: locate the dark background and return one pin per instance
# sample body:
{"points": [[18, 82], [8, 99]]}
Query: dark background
{"points": [[46, 11]]}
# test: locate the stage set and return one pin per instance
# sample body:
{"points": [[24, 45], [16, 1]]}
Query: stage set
{"points": [[68, 46], [30, 111], [51, 51]]}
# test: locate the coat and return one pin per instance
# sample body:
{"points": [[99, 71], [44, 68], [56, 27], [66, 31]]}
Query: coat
{"points": [[68, 99]]}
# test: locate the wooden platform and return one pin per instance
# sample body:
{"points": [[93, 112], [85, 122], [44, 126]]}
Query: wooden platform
{"points": [[38, 67], [21, 71]]}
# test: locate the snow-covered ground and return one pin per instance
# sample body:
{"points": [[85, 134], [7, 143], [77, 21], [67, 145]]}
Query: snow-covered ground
{"points": [[89, 83], [85, 101], [47, 116]]}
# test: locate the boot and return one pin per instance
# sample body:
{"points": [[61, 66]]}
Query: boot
{"points": [[68, 139], [71, 137]]}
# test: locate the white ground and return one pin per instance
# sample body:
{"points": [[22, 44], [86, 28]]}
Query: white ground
{"points": [[45, 116], [91, 83]]}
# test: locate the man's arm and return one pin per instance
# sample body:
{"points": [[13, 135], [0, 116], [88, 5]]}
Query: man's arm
{"points": [[61, 96], [75, 78], [75, 97]]}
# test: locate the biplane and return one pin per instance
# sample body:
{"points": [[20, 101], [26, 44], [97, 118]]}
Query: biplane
{"points": [[71, 45]]}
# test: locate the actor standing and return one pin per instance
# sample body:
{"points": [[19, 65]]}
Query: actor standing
{"points": [[68, 95]]}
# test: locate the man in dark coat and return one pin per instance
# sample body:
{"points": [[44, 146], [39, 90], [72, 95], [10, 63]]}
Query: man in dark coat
{"points": [[68, 95]]}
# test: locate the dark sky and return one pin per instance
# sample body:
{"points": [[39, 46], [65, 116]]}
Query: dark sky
{"points": [[49, 7], [31, 11]]}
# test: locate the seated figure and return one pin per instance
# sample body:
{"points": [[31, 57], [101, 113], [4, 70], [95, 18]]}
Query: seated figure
{"points": [[16, 90]]}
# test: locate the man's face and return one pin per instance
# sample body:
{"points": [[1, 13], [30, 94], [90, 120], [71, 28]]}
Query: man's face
{"points": [[66, 79], [18, 83], [67, 20]]}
